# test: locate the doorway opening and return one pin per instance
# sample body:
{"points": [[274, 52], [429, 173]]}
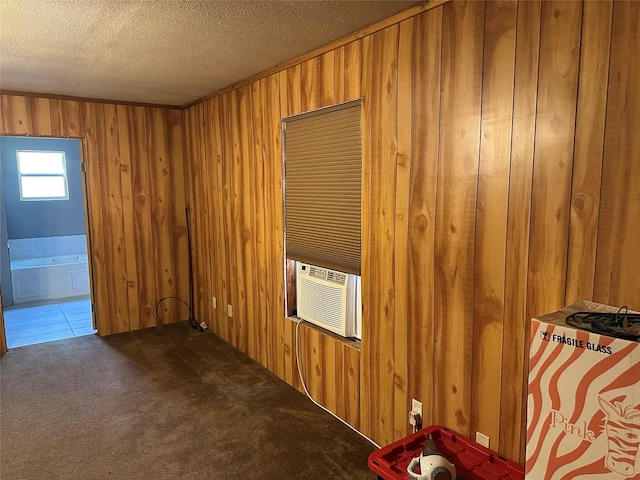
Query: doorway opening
{"points": [[44, 273]]}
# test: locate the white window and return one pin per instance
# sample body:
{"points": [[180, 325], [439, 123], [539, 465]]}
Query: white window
{"points": [[42, 175]]}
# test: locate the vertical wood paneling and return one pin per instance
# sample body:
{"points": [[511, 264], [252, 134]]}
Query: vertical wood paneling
{"points": [[491, 215], [291, 104], [339, 83], [202, 206], [205, 282], [366, 78], [208, 181], [617, 281], [384, 149], [246, 232], [209, 224], [329, 367], [313, 358], [126, 183], [425, 124], [552, 165], [513, 379], [310, 85], [327, 82], [274, 219], [162, 228], [352, 70], [260, 253], [41, 114], [71, 123], [292, 346], [201, 212], [285, 96], [456, 210], [142, 214], [55, 111], [352, 387], [589, 145], [190, 140], [219, 324], [197, 211], [251, 170], [22, 115], [401, 259], [99, 266], [112, 216], [291, 91], [341, 380], [16, 115], [237, 233], [228, 193], [177, 201]]}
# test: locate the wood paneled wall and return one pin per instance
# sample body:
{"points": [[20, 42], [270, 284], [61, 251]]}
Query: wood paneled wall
{"points": [[136, 201], [500, 163]]}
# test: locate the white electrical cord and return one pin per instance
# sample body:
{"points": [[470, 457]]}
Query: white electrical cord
{"points": [[301, 373]]}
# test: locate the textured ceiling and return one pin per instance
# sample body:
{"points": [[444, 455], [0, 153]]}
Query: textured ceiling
{"points": [[166, 51]]}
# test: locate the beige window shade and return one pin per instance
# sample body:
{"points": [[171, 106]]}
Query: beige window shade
{"points": [[323, 172]]}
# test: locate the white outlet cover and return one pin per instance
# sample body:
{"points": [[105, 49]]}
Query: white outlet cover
{"points": [[213, 302], [416, 406], [229, 311], [482, 439]]}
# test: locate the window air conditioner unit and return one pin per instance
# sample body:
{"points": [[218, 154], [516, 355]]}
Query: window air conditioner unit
{"points": [[329, 299]]}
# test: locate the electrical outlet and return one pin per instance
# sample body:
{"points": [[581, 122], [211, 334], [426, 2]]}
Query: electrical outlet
{"points": [[415, 415], [416, 407], [229, 311], [482, 439], [213, 302]]}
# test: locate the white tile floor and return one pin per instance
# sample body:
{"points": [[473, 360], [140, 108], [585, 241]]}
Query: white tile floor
{"points": [[43, 322]]}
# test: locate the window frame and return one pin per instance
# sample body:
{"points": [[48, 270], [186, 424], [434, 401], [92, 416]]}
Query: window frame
{"points": [[62, 175]]}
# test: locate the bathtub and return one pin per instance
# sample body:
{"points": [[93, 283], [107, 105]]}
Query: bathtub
{"points": [[36, 279]]}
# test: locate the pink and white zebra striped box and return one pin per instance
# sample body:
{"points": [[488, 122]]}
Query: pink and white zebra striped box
{"points": [[583, 411]]}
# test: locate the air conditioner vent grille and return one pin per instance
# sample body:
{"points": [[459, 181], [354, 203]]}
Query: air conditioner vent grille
{"points": [[322, 302], [327, 298]]}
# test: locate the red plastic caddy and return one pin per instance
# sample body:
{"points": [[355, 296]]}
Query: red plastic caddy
{"points": [[472, 461]]}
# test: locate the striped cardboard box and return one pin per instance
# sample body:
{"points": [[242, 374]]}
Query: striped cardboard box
{"points": [[583, 411]]}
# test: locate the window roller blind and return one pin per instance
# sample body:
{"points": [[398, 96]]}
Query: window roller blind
{"points": [[323, 177]]}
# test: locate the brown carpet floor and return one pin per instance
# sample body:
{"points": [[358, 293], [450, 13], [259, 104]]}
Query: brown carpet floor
{"points": [[162, 403]]}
